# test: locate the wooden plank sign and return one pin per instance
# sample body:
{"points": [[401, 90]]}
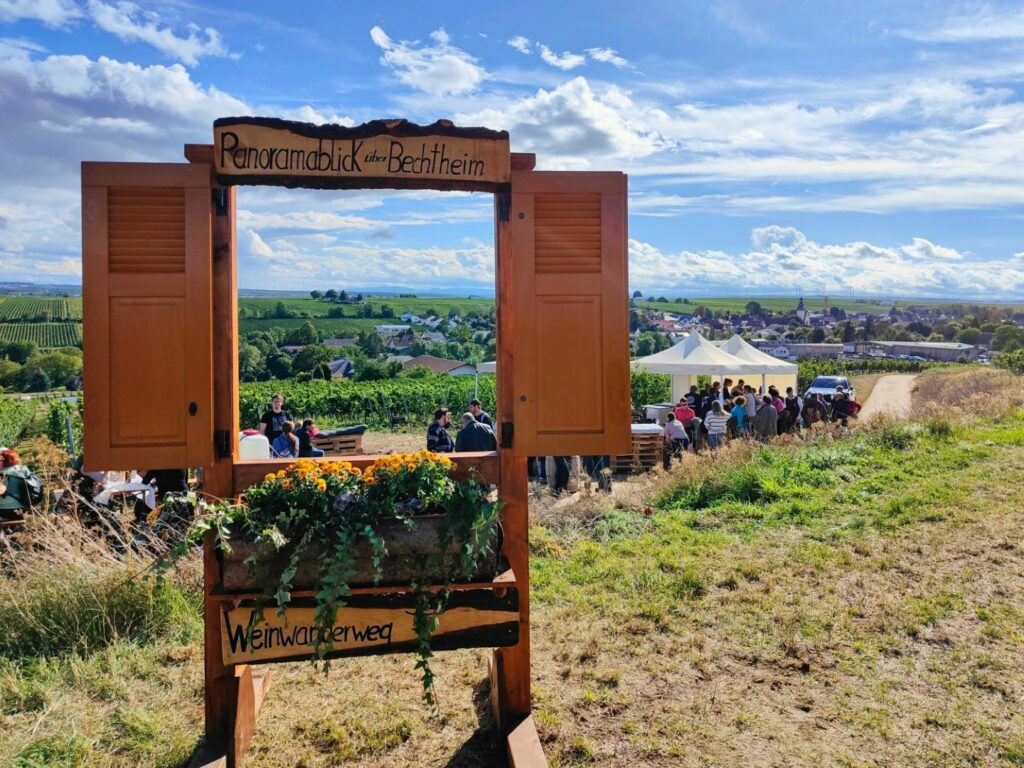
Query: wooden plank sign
{"points": [[382, 153], [369, 624]]}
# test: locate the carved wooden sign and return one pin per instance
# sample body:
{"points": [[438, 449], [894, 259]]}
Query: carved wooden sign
{"points": [[370, 624], [382, 153]]}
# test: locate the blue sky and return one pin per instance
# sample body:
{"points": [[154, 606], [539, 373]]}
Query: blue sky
{"points": [[773, 147]]}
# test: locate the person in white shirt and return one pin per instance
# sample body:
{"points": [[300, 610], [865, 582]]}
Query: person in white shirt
{"points": [[717, 422], [676, 439]]}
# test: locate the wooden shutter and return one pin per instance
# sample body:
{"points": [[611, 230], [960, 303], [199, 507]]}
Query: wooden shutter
{"points": [[570, 371], [147, 327]]}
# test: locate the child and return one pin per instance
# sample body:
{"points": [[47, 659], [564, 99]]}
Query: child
{"points": [[286, 445]]}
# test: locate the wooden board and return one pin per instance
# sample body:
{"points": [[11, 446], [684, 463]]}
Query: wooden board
{"points": [[369, 624], [382, 153]]}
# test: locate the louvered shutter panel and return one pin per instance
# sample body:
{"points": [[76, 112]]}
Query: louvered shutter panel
{"points": [[570, 313], [147, 315]]}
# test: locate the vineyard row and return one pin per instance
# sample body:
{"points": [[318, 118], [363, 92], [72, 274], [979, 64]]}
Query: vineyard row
{"points": [[39, 308], [42, 334]]}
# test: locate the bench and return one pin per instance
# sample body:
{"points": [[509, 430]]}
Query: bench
{"points": [[340, 445]]}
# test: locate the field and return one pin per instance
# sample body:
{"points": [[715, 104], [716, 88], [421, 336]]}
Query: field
{"points": [[420, 305], [835, 602], [13, 308], [782, 305], [43, 334]]}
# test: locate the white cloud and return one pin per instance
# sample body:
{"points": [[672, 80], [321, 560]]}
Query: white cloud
{"points": [[130, 23], [53, 13], [572, 124], [607, 56], [520, 43], [439, 69], [924, 250], [785, 259], [984, 25], [564, 61], [306, 114]]}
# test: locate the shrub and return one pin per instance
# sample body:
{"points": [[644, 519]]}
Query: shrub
{"points": [[69, 592]]}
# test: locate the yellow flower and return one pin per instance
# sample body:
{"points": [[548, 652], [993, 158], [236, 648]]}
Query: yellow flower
{"points": [[411, 467], [321, 486], [280, 473], [286, 483], [269, 477]]}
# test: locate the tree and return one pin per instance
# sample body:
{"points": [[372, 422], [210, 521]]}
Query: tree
{"points": [[309, 358], [371, 343], [969, 336], [316, 295], [338, 311], [281, 311], [849, 332], [837, 313], [343, 295], [20, 351], [331, 295], [304, 334], [9, 371], [386, 310], [869, 327], [366, 310], [279, 365], [251, 363], [637, 295], [754, 308], [38, 381], [1008, 338], [817, 336], [375, 370]]}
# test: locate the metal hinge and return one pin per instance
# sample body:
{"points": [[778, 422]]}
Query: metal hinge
{"points": [[222, 443], [220, 201], [508, 430], [504, 200]]}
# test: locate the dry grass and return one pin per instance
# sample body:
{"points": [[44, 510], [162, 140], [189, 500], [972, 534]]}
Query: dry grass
{"points": [[865, 385], [394, 442], [966, 395]]}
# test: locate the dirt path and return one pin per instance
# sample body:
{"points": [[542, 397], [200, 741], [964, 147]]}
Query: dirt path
{"points": [[890, 396]]}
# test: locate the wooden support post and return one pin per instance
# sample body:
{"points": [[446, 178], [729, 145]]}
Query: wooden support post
{"points": [[512, 664], [218, 479], [524, 748]]}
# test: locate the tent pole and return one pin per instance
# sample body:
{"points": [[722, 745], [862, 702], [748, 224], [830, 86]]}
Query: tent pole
{"points": [[764, 380]]}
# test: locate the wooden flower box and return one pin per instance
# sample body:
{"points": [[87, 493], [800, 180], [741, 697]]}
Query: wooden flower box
{"points": [[411, 556]]}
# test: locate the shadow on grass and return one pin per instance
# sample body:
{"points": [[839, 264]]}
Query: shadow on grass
{"points": [[485, 745]]}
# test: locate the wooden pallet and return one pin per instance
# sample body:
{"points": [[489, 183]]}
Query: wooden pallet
{"points": [[648, 451], [341, 445]]}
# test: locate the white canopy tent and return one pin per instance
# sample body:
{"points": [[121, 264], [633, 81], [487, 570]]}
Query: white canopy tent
{"points": [[774, 372], [695, 356]]}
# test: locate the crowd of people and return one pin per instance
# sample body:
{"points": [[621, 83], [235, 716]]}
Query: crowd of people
{"points": [[476, 432], [722, 412]]}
